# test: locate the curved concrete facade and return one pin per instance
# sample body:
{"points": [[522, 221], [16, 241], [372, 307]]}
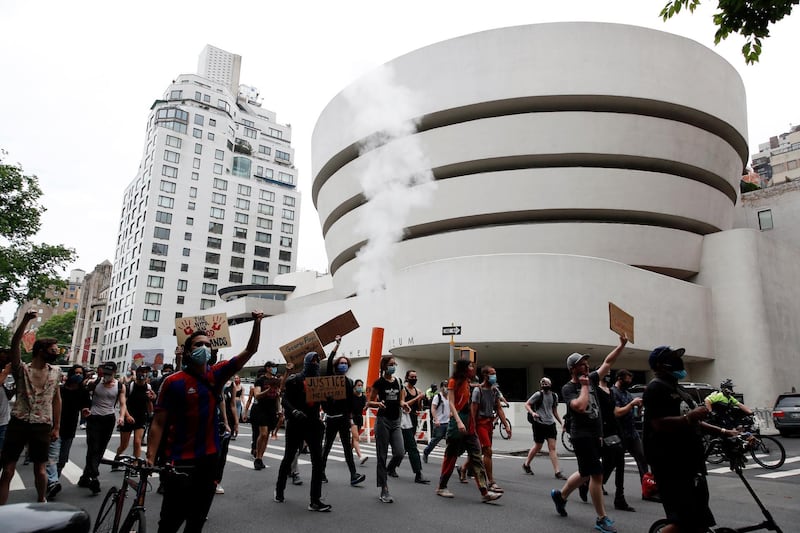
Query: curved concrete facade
{"points": [[604, 148]]}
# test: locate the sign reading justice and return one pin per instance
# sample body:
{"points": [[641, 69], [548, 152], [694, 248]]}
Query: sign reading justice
{"points": [[321, 388]]}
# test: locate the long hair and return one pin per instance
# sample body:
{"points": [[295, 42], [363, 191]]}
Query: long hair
{"points": [[462, 370]]}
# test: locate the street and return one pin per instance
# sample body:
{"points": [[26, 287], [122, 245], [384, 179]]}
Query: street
{"points": [[526, 506]]}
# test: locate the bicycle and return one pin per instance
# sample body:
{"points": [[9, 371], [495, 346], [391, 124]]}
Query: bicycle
{"points": [[566, 440], [734, 449], [135, 476], [766, 451], [498, 424]]}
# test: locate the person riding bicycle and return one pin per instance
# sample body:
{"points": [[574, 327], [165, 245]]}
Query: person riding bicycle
{"points": [[726, 409]]}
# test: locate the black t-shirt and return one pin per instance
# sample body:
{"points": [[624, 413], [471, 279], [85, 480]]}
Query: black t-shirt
{"points": [[413, 413], [606, 401], [589, 423], [268, 403], [137, 400], [72, 401], [389, 394], [227, 396], [679, 450]]}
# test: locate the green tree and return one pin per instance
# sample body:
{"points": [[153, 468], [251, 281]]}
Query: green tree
{"points": [[59, 327], [5, 336], [749, 18], [29, 269]]}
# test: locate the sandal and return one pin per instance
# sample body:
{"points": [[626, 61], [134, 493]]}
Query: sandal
{"points": [[527, 469], [494, 487], [462, 474]]}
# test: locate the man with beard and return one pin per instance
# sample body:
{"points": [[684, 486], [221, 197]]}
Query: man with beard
{"points": [[36, 415]]}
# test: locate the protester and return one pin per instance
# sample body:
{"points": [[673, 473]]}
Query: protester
{"points": [[357, 422], [36, 415], [440, 417], [265, 395], [302, 425], [613, 450], [580, 394], [139, 398], [542, 409], [413, 399], [186, 414], [626, 404]]}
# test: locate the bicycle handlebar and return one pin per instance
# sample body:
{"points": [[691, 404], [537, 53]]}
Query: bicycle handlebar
{"points": [[139, 465]]}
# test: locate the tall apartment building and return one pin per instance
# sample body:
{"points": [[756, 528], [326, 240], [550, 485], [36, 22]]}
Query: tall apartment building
{"points": [[778, 160], [214, 203], [87, 337]]}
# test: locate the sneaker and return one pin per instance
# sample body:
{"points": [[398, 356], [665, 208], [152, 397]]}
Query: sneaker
{"points": [[494, 487], [319, 507], [444, 493], [83, 482], [425, 458], [419, 479], [385, 497], [356, 479], [258, 464], [296, 479], [219, 490], [559, 475], [83, 426], [324, 478], [52, 490], [527, 469], [277, 496], [583, 492], [620, 504], [392, 472], [364, 460], [605, 524], [94, 486], [490, 496], [561, 503]]}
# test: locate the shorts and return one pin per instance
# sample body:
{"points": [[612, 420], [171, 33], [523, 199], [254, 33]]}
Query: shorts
{"points": [[542, 432], [685, 498], [261, 417], [18, 434], [484, 430], [589, 453], [358, 421], [128, 428]]}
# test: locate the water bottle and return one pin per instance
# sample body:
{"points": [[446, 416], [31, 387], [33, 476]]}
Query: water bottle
{"points": [[635, 411]]}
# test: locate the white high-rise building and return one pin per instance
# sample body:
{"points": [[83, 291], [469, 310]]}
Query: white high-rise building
{"points": [[220, 66], [213, 204]]}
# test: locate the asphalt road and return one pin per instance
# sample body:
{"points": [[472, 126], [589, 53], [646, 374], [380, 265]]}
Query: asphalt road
{"points": [[247, 504]]}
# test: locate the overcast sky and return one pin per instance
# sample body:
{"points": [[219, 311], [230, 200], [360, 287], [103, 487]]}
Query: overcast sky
{"points": [[78, 79]]}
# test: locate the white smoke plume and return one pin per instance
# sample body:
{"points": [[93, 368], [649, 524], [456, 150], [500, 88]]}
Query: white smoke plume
{"points": [[398, 177]]}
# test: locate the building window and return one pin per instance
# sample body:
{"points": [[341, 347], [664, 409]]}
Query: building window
{"points": [[237, 262], [161, 233], [180, 299], [192, 192], [199, 119], [283, 269], [282, 156], [206, 304], [214, 242], [175, 95], [162, 217], [265, 209], [198, 149], [287, 228], [235, 277], [219, 155], [263, 237], [196, 162], [148, 332], [240, 233], [220, 184], [156, 282], [261, 251], [259, 280], [218, 198], [251, 133], [284, 255], [211, 121], [182, 285], [261, 266], [159, 248], [288, 200], [241, 166], [172, 157], [187, 236], [195, 176], [190, 206], [186, 252], [264, 223], [184, 267], [286, 241], [174, 142], [765, 219], [197, 133], [166, 201], [244, 190], [217, 168], [241, 203], [215, 227], [266, 150], [288, 214], [212, 258], [168, 171], [151, 315], [189, 221], [157, 265], [210, 273], [242, 218], [283, 177], [238, 247], [152, 298], [267, 196], [278, 134], [216, 212], [210, 136]]}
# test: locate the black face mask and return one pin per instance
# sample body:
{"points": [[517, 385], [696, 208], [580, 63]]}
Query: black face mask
{"points": [[412, 381], [50, 357], [624, 385], [545, 389]]}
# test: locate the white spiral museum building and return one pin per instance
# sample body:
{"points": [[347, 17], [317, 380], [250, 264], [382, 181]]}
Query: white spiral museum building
{"points": [[575, 164]]}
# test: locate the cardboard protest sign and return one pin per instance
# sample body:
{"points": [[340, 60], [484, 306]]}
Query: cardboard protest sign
{"points": [[28, 338], [321, 388], [340, 325], [154, 358], [296, 350], [620, 322], [215, 326]]}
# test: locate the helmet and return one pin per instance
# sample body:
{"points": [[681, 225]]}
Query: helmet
{"points": [[727, 384]]}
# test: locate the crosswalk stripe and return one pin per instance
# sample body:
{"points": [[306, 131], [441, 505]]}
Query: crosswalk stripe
{"points": [[780, 474], [16, 482]]}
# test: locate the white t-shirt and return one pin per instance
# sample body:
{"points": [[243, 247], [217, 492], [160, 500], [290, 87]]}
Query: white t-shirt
{"points": [[441, 408], [5, 408]]}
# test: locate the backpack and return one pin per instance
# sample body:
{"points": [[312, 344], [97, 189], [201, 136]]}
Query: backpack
{"points": [[537, 403]]}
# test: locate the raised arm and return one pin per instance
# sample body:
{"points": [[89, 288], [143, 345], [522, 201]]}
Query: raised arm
{"points": [[252, 344], [605, 368]]}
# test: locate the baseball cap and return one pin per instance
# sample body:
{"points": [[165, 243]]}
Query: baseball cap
{"points": [[574, 359], [662, 354], [109, 366]]}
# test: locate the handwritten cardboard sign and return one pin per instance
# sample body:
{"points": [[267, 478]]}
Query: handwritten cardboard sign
{"points": [[215, 326], [340, 325], [620, 322], [295, 351], [321, 388]]}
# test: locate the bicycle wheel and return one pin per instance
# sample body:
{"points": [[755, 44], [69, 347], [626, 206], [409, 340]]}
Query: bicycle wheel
{"points": [[714, 454], [503, 433], [108, 513], [566, 441], [135, 522], [658, 525], [767, 452]]}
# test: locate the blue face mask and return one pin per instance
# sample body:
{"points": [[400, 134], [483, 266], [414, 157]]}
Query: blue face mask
{"points": [[359, 389], [492, 379], [391, 369], [76, 379], [342, 368], [679, 374], [200, 355]]}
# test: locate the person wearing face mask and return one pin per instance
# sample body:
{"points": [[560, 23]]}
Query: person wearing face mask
{"points": [[101, 419], [302, 424], [36, 415], [264, 411], [673, 444], [440, 417], [389, 397], [414, 399], [357, 422], [338, 416], [542, 409], [625, 404], [139, 398], [186, 414], [74, 397]]}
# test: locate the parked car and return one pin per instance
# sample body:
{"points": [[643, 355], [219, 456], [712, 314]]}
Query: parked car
{"points": [[698, 392], [786, 413]]}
